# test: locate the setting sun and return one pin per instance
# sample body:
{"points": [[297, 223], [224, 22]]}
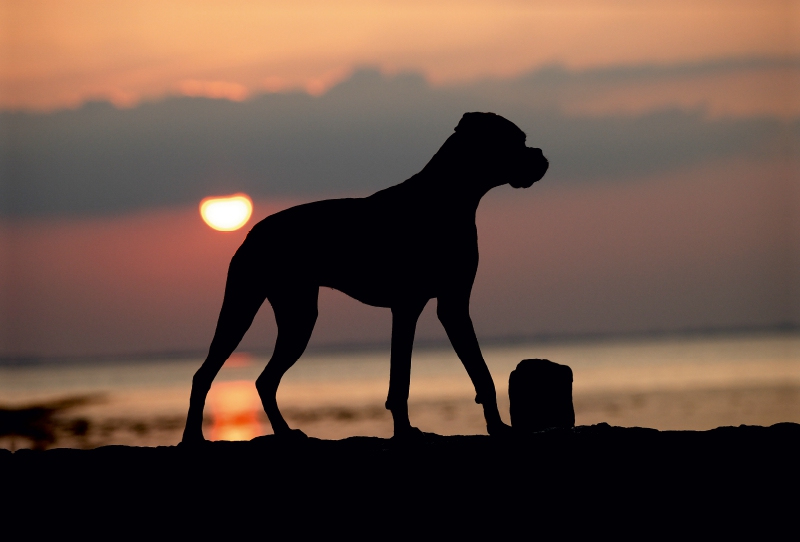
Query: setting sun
{"points": [[226, 213]]}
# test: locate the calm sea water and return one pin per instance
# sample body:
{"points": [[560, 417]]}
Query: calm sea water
{"points": [[694, 383]]}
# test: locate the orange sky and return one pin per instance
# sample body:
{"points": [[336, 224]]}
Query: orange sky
{"points": [[58, 54]]}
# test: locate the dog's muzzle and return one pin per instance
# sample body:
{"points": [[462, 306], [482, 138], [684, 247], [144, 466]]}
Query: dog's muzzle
{"points": [[534, 166]]}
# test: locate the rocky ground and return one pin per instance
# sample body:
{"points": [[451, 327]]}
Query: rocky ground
{"points": [[590, 478]]}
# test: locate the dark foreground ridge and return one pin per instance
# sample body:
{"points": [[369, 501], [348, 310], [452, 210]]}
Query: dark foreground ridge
{"points": [[589, 474]]}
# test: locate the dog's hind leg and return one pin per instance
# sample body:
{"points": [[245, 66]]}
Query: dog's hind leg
{"points": [[295, 313], [244, 294], [404, 323]]}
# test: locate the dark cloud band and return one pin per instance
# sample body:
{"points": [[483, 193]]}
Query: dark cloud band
{"points": [[369, 132]]}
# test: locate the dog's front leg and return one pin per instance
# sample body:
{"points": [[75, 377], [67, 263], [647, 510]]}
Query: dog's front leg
{"points": [[404, 324], [453, 313]]}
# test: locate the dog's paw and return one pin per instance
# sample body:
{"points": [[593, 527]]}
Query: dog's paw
{"points": [[408, 434], [192, 441], [500, 430], [291, 434]]}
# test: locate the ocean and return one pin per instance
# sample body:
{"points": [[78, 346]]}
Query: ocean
{"points": [[667, 383]]}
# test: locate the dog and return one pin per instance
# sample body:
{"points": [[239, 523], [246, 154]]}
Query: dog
{"points": [[398, 248]]}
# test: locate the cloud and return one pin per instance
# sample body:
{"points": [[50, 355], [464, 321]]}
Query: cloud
{"points": [[366, 133], [731, 87], [213, 89]]}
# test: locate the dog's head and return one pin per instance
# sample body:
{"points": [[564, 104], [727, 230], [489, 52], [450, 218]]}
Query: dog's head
{"points": [[497, 149]]}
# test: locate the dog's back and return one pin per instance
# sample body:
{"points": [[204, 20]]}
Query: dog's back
{"points": [[372, 248]]}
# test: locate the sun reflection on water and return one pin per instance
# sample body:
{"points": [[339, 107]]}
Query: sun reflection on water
{"points": [[235, 408]]}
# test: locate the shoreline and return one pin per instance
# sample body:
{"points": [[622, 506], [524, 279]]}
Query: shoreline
{"points": [[382, 347]]}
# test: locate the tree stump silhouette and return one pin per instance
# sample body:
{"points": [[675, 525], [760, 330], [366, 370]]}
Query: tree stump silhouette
{"points": [[540, 392]]}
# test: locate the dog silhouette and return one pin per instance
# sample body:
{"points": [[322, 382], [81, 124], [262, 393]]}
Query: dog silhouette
{"points": [[397, 248]]}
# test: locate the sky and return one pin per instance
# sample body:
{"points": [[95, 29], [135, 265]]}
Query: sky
{"points": [[672, 129], [61, 53]]}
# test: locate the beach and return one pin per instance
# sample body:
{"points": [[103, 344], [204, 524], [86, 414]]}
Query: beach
{"points": [[665, 383]]}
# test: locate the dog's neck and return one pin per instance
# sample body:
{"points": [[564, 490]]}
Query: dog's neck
{"points": [[458, 167], [455, 184]]}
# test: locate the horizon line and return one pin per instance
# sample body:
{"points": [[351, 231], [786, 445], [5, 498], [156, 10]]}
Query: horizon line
{"points": [[785, 328]]}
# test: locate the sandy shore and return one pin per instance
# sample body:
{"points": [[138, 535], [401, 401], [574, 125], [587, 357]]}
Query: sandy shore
{"points": [[457, 482]]}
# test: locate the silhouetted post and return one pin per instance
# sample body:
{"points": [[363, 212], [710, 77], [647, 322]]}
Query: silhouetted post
{"points": [[540, 392]]}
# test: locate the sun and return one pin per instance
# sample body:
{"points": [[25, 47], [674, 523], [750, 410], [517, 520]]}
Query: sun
{"points": [[226, 213]]}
